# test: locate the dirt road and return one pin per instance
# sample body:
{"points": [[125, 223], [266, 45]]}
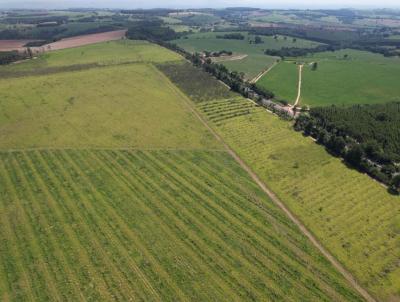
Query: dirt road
{"points": [[299, 85], [230, 58], [261, 74], [346, 274]]}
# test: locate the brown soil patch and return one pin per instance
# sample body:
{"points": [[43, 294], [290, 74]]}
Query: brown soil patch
{"points": [[9, 45], [84, 40]]}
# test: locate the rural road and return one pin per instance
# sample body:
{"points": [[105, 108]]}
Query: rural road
{"points": [[346, 274], [335, 263], [299, 85], [261, 74]]}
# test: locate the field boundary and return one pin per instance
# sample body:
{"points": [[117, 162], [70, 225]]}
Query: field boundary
{"points": [[69, 68], [82, 148], [315, 242]]}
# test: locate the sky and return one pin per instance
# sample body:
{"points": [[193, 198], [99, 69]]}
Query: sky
{"points": [[200, 3]]}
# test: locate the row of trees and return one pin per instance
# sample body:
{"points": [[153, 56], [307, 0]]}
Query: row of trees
{"points": [[8, 57], [217, 53], [231, 36], [235, 80], [299, 52], [366, 136], [152, 30], [365, 40], [257, 40]]}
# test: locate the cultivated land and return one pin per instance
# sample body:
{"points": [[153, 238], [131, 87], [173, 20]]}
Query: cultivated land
{"points": [[100, 203], [255, 62], [106, 53], [125, 103], [352, 215], [85, 40], [149, 225], [361, 78]]}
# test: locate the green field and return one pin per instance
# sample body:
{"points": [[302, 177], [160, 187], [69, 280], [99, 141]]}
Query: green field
{"points": [[117, 106], [282, 80], [112, 190], [149, 225], [354, 216], [107, 53], [362, 78], [256, 60], [195, 87]]}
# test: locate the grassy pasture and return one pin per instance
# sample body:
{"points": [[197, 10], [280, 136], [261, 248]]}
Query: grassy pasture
{"points": [[117, 106], [282, 80], [363, 78], [352, 215], [256, 60], [251, 64], [149, 226]]}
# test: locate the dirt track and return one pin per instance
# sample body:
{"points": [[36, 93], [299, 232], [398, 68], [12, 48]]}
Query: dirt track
{"points": [[346, 274], [84, 40], [261, 74], [299, 85], [230, 58]]}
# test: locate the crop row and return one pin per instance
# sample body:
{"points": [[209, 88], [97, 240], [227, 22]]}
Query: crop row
{"points": [[221, 110], [149, 226], [351, 214]]}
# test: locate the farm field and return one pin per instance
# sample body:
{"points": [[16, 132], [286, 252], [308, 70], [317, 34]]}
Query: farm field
{"points": [[149, 226], [85, 40], [282, 80], [106, 53], [100, 201], [353, 216], [98, 107], [361, 78], [256, 60]]}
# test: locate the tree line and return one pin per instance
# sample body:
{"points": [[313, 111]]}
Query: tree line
{"points": [[151, 30], [231, 36], [7, 57], [366, 136], [334, 40], [299, 52], [155, 32]]}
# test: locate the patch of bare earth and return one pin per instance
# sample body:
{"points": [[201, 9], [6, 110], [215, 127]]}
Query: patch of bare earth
{"points": [[229, 58], [9, 45], [85, 40]]}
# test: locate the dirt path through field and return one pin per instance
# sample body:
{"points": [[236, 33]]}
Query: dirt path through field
{"points": [[299, 85], [261, 74], [346, 274], [230, 58]]}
